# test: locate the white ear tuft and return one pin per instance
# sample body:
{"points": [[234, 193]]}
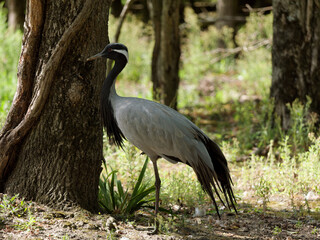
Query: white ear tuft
{"points": [[124, 52]]}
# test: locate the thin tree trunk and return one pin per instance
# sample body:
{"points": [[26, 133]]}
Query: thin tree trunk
{"points": [[51, 144], [295, 55], [156, 18], [166, 51], [227, 11], [16, 13]]}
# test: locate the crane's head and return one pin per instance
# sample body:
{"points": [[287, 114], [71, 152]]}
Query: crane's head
{"points": [[114, 51]]}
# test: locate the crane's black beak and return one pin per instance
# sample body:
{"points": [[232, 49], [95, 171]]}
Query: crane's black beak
{"points": [[99, 55]]}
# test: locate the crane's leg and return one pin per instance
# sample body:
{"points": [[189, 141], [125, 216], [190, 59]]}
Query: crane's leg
{"points": [[157, 185]]}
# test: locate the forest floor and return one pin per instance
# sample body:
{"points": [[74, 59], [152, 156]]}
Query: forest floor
{"points": [[36, 221]]}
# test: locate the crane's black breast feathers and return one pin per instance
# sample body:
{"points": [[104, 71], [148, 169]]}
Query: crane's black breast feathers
{"points": [[114, 133]]}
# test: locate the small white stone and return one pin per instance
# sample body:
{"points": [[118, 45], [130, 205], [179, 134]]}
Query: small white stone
{"points": [[124, 238], [176, 207], [312, 196], [199, 212], [220, 223]]}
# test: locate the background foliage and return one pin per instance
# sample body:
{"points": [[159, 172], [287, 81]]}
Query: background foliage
{"points": [[10, 46]]}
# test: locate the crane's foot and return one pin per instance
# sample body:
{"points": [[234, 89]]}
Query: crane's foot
{"points": [[155, 230]]}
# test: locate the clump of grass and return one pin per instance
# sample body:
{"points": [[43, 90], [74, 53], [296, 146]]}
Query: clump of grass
{"points": [[114, 199], [127, 162], [167, 225], [277, 230], [13, 205], [180, 186], [262, 189], [302, 123], [257, 125], [28, 225]]}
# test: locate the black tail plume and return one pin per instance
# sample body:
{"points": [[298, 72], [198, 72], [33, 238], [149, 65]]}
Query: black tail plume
{"points": [[218, 179]]}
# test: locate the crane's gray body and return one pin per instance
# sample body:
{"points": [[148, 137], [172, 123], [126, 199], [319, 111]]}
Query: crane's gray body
{"points": [[159, 131]]}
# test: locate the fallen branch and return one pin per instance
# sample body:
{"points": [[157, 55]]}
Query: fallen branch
{"points": [[213, 20], [226, 52], [248, 8]]}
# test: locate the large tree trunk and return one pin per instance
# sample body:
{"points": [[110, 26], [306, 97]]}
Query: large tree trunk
{"points": [[295, 55], [16, 10], [51, 144], [166, 52]]}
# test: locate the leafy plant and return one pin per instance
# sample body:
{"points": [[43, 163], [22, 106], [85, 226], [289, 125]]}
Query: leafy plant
{"points": [[277, 230], [167, 224], [65, 237], [315, 230], [114, 199], [27, 225], [13, 206], [263, 191], [111, 235], [302, 123]]}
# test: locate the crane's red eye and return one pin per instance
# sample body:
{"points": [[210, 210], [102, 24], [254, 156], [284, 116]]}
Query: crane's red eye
{"points": [[109, 49]]}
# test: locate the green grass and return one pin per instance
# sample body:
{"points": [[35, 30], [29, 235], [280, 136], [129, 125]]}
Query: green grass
{"points": [[17, 207], [282, 175], [13, 206]]}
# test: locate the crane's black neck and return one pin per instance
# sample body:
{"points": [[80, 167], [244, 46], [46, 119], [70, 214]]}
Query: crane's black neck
{"points": [[111, 78], [109, 120]]}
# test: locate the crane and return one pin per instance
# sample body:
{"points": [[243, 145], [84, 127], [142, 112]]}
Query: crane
{"points": [[161, 132]]}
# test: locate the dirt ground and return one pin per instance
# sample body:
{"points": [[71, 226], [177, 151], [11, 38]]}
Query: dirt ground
{"points": [[41, 222]]}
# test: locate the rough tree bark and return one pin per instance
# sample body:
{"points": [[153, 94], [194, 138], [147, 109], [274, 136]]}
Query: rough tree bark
{"points": [[16, 10], [295, 55], [51, 143], [166, 51]]}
